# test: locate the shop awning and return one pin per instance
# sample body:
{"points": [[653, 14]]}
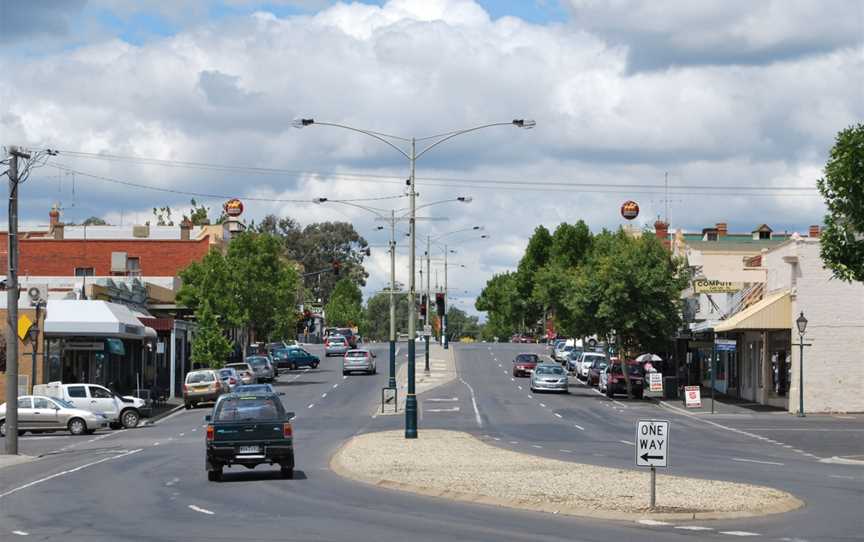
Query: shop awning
{"points": [[773, 312], [91, 318]]}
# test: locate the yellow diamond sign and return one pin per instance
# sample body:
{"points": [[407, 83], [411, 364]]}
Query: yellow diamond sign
{"points": [[24, 325]]}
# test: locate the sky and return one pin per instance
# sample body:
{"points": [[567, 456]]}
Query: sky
{"points": [[734, 104]]}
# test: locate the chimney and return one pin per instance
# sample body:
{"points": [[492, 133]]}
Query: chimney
{"points": [[721, 229], [57, 230], [185, 228], [661, 230], [814, 230]]}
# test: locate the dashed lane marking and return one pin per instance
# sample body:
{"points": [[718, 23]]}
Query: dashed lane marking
{"points": [[514, 442], [739, 533], [182, 434], [579, 427], [566, 451], [323, 395], [520, 388], [653, 522], [496, 438], [543, 405], [537, 446], [201, 510], [155, 444], [694, 528], [558, 415], [335, 386], [627, 442], [311, 405], [20, 533]]}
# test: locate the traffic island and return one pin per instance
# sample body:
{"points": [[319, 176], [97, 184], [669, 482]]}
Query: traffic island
{"points": [[458, 466]]}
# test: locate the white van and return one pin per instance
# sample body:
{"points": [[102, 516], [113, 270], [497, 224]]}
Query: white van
{"points": [[120, 411]]}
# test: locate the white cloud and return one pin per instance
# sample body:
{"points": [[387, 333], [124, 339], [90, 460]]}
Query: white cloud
{"points": [[225, 92]]}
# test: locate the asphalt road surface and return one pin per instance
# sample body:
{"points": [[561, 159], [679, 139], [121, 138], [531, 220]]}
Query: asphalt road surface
{"points": [[149, 483]]}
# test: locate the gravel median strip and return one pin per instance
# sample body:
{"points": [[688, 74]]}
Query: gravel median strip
{"points": [[457, 465]]}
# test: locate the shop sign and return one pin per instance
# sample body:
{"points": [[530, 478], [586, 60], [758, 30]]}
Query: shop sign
{"points": [[692, 397], [115, 346], [655, 382], [95, 346], [725, 345], [704, 286]]}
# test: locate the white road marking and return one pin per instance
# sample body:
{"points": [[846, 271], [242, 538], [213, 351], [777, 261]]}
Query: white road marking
{"points": [[579, 427], [512, 379], [742, 460], [653, 522], [530, 396], [566, 451], [442, 399], [454, 409], [559, 415], [311, 405], [335, 386], [202, 510], [323, 395], [537, 446], [496, 438], [195, 429], [155, 444], [627, 442], [473, 403], [694, 528], [511, 442], [20, 533], [520, 388], [543, 405], [739, 533], [69, 471], [345, 377], [182, 434]]}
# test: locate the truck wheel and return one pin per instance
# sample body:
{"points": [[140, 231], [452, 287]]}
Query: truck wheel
{"points": [[77, 426], [130, 418]]}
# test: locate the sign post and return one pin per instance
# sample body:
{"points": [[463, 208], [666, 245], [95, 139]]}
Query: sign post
{"points": [[652, 449]]}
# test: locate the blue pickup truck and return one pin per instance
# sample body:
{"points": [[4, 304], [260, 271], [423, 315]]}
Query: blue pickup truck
{"points": [[249, 429]]}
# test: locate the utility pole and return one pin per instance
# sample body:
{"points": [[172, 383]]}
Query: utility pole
{"points": [[392, 382], [12, 307], [411, 396], [428, 293], [444, 340]]}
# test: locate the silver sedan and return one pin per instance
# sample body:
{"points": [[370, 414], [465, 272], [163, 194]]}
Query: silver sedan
{"points": [[549, 377], [39, 414]]}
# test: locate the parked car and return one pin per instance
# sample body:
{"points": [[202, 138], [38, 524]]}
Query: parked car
{"points": [[294, 358], [40, 414], [523, 364], [359, 360], [549, 377], [336, 345], [263, 367], [586, 361], [612, 380], [202, 386], [553, 345], [229, 377], [247, 374], [125, 411], [249, 430], [597, 365]]}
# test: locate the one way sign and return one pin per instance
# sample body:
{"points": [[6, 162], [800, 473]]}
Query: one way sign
{"points": [[652, 443]]}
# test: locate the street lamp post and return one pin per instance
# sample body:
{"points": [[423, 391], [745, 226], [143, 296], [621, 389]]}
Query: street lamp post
{"points": [[801, 322], [428, 293], [413, 156]]}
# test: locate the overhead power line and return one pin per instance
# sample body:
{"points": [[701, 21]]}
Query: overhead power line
{"points": [[497, 184]]}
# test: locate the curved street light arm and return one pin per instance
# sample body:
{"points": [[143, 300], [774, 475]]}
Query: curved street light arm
{"points": [[443, 235], [377, 212], [460, 199], [450, 135], [376, 135]]}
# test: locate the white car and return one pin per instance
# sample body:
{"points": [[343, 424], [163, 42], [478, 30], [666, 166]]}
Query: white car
{"points": [[585, 363], [40, 414], [121, 411]]}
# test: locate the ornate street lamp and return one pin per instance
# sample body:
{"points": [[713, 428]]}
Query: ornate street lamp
{"points": [[801, 322]]}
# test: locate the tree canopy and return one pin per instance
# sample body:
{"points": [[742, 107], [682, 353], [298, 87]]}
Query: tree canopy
{"points": [[344, 309], [842, 241]]}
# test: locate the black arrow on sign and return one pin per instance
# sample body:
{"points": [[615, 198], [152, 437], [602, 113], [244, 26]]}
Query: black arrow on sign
{"points": [[646, 457]]}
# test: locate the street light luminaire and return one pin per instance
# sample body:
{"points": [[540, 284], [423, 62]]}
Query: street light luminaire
{"points": [[300, 123], [801, 322], [519, 123]]}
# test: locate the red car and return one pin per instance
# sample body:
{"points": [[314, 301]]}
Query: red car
{"points": [[524, 364], [612, 380]]}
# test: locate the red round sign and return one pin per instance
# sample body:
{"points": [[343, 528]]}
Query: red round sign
{"points": [[233, 207], [630, 209]]}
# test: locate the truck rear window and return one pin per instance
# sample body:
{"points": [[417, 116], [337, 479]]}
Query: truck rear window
{"points": [[248, 409]]}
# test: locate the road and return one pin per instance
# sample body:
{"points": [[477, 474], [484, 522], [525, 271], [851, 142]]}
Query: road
{"points": [[149, 483]]}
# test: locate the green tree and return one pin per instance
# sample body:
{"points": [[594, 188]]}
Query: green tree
{"points": [[499, 300], [842, 241], [345, 305], [629, 289], [94, 221], [460, 324], [162, 216], [317, 246], [210, 347], [376, 318], [536, 256], [199, 215]]}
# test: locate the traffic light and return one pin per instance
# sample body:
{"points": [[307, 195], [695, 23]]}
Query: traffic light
{"points": [[439, 303], [423, 311], [336, 266]]}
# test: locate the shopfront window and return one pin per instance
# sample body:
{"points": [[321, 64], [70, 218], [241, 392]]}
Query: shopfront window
{"points": [[781, 365]]}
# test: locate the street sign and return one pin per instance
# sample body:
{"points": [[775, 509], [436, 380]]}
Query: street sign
{"points": [[725, 345], [692, 397], [652, 443], [655, 382]]}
